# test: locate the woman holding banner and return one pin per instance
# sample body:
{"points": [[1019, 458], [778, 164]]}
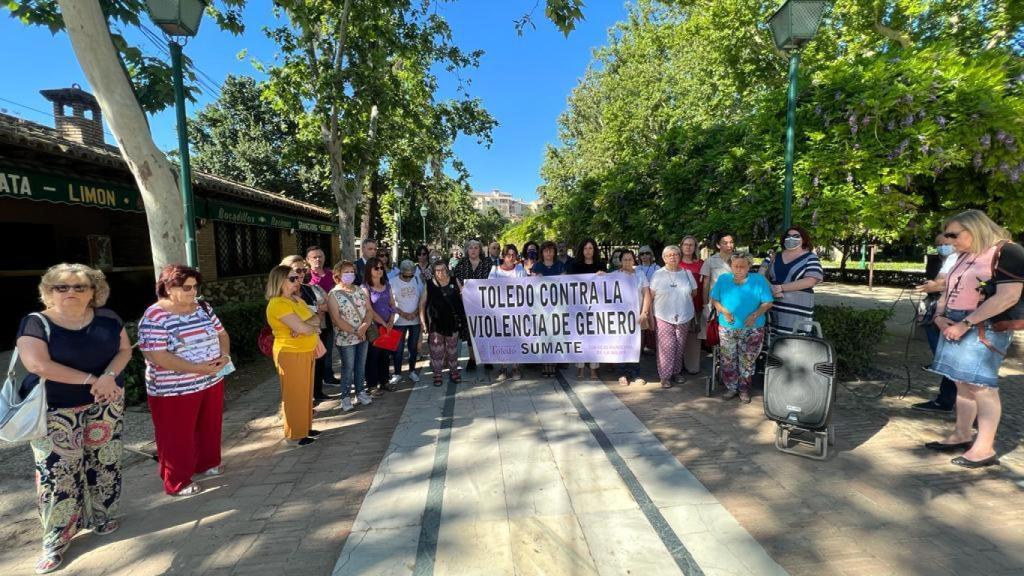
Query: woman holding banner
{"points": [[509, 268], [588, 262], [445, 318], [549, 265], [672, 292], [473, 267], [627, 263]]}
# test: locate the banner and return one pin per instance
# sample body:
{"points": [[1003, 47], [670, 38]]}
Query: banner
{"points": [[573, 318]]}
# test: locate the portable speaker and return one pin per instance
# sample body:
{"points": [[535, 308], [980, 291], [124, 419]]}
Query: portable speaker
{"points": [[799, 382]]}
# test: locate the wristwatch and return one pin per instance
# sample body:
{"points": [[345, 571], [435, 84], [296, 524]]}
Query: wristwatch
{"points": [[111, 373], [967, 323]]}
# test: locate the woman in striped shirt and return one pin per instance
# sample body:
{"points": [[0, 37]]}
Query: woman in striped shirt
{"points": [[793, 273], [187, 353]]}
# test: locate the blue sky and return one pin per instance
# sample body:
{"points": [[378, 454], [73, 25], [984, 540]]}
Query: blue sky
{"points": [[523, 81]]}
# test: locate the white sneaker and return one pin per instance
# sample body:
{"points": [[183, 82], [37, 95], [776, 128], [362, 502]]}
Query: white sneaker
{"points": [[414, 377], [395, 379], [215, 471], [364, 398], [346, 403]]}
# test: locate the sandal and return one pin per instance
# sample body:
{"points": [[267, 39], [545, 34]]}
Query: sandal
{"points": [[190, 490], [108, 527], [623, 381], [50, 561]]}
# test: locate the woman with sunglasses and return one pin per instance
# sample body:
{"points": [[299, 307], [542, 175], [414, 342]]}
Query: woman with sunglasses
{"points": [[80, 349], [971, 349], [186, 348], [423, 264], [382, 306], [648, 266], [297, 346], [314, 297], [793, 274]]}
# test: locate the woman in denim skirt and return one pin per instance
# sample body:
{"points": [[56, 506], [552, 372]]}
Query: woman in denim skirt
{"points": [[971, 350]]}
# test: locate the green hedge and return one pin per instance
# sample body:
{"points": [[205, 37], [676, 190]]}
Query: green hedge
{"points": [[242, 320], [854, 334]]}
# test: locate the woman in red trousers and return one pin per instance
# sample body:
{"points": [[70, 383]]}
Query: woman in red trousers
{"points": [[186, 351]]}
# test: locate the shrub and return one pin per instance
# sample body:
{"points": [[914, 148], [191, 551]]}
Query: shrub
{"points": [[854, 335], [242, 320]]}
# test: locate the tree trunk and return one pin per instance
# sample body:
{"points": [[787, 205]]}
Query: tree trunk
{"points": [[90, 37], [847, 243]]}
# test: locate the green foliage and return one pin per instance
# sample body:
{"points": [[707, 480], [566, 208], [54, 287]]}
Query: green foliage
{"points": [[908, 111], [243, 322], [150, 74], [854, 334]]}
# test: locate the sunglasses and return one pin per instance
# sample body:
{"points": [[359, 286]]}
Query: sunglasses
{"points": [[300, 270], [78, 288], [953, 235], [294, 279], [381, 268], [188, 287]]}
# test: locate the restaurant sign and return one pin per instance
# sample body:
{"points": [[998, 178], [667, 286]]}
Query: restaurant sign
{"points": [[18, 183], [225, 212]]}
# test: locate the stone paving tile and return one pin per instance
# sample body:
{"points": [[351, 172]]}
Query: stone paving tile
{"points": [[881, 504], [276, 510]]}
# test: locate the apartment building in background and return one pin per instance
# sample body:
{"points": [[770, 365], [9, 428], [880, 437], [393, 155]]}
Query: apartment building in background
{"points": [[512, 208]]}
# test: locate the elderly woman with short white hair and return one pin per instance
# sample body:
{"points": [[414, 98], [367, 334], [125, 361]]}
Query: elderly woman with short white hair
{"points": [[672, 289], [80, 349]]}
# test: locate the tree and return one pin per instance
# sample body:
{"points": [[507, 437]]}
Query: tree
{"points": [[360, 77], [243, 137], [99, 53]]}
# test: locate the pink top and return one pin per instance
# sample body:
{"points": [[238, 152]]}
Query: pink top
{"points": [[325, 280], [965, 277]]}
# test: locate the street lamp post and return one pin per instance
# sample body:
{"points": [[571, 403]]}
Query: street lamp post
{"points": [[794, 24], [181, 19], [399, 194], [423, 214]]}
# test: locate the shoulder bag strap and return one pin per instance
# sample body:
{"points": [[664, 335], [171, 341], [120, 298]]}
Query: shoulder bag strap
{"points": [[14, 353]]}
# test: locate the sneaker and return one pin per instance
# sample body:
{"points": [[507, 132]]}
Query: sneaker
{"points": [[623, 381], [639, 382], [931, 406], [414, 377], [346, 403], [364, 398], [500, 377], [395, 379]]}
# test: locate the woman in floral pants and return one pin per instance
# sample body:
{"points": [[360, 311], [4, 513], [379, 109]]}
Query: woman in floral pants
{"points": [[742, 299]]}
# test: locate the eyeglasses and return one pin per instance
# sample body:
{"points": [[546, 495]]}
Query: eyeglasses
{"points": [[647, 254], [953, 235], [188, 287], [381, 268], [294, 279], [78, 288]]}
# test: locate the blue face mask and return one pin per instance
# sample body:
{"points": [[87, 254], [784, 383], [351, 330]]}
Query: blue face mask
{"points": [[945, 250]]}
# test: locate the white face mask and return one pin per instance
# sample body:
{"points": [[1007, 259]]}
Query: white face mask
{"points": [[945, 250], [791, 243]]}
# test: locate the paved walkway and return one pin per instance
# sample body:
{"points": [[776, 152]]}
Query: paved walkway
{"points": [[538, 477]]}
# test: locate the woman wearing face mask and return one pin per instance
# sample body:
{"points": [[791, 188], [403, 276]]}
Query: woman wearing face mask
{"points": [[350, 312], [628, 370], [648, 266], [185, 347], [531, 255], [510, 268], [946, 400], [793, 273], [690, 261]]}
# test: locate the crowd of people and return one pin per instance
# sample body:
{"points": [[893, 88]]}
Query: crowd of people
{"points": [[79, 349]]}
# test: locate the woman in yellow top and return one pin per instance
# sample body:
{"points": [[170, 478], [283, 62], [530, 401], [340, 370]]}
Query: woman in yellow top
{"points": [[297, 345]]}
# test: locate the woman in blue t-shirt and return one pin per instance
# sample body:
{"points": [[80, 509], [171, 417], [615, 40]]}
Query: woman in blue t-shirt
{"points": [[742, 299], [80, 349]]}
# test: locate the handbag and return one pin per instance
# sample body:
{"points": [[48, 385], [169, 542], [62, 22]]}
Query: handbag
{"points": [[389, 339], [711, 335], [265, 341], [372, 332], [23, 418]]}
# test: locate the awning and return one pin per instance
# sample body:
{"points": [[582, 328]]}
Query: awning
{"points": [[57, 189], [227, 212]]}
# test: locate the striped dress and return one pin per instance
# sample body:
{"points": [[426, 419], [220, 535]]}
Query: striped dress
{"points": [[796, 306]]}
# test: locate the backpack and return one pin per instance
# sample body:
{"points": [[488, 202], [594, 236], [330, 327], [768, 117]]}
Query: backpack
{"points": [[988, 289]]}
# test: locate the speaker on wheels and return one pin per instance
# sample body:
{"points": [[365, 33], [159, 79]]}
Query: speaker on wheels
{"points": [[799, 382]]}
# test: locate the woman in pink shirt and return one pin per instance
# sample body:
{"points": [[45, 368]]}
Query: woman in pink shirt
{"points": [[970, 351]]}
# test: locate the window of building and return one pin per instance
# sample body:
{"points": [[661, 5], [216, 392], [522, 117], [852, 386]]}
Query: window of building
{"points": [[243, 250]]}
